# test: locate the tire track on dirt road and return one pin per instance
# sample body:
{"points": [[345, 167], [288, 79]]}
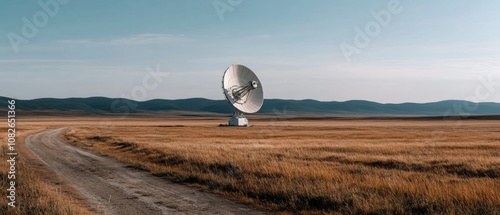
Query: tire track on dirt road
{"points": [[113, 188]]}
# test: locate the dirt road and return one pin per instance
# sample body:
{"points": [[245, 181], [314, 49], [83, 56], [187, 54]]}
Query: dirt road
{"points": [[113, 188]]}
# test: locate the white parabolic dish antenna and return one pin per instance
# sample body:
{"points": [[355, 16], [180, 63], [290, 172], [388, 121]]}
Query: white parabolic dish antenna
{"points": [[243, 91]]}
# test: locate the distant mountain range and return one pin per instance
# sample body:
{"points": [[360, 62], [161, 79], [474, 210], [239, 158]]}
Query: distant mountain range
{"points": [[103, 105]]}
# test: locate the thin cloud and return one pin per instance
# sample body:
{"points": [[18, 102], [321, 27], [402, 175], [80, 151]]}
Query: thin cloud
{"points": [[141, 39], [75, 42], [149, 39], [40, 61]]}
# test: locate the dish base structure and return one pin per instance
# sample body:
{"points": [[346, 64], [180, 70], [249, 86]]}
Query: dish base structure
{"points": [[238, 119]]}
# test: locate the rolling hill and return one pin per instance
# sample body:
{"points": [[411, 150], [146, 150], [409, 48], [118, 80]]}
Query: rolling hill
{"points": [[103, 105]]}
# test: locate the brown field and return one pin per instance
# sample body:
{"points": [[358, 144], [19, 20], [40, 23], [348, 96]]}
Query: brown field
{"points": [[334, 166], [309, 166]]}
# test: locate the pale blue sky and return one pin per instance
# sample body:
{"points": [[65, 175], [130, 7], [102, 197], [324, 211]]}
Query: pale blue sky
{"points": [[430, 51]]}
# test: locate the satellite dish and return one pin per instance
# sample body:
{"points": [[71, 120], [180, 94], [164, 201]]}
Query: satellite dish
{"points": [[243, 90]]}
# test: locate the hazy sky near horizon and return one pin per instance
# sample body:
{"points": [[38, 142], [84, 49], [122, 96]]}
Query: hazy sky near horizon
{"points": [[426, 51]]}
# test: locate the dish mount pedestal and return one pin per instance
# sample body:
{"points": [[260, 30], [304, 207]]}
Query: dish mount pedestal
{"points": [[238, 119]]}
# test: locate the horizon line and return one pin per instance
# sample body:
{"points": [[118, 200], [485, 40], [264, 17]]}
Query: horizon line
{"points": [[351, 100]]}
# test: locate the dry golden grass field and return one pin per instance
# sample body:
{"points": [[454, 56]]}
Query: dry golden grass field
{"points": [[299, 166], [311, 166]]}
